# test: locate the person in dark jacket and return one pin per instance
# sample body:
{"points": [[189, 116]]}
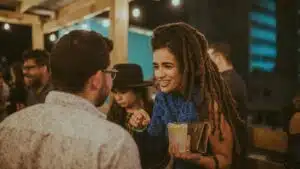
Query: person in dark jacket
{"points": [[18, 93], [130, 96], [37, 75], [220, 55], [293, 131]]}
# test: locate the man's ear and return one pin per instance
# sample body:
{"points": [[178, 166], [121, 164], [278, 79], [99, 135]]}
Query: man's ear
{"points": [[96, 81], [218, 57], [44, 68]]}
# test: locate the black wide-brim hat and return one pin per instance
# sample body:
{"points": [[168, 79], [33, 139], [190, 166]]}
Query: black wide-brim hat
{"points": [[129, 75]]}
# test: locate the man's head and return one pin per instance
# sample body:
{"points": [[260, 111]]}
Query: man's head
{"points": [[35, 67], [79, 63], [220, 55]]}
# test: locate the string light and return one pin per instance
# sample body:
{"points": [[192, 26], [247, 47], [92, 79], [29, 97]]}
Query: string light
{"points": [[85, 26], [52, 37], [106, 23], [136, 12], [176, 3], [6, 26]]}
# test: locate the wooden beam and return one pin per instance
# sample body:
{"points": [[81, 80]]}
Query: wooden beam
{"points": [[119, 16], [37, 36], [44, 12], [76, 12], [17, 18], [27, 4]]}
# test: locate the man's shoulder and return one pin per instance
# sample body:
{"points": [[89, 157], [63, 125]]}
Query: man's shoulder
{"points": [[67, 122], [233, 78]]}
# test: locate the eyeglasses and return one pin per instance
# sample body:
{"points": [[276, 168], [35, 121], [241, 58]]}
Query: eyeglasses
{"points": [[112, 72], [29, 67]]}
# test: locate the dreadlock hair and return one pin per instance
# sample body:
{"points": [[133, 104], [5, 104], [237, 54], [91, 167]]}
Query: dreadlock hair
{"points": [[189, 47]]}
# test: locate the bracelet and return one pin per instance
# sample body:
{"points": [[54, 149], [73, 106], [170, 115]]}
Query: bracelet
{"points": [[136, 129], [217, 166], [139, 129]]}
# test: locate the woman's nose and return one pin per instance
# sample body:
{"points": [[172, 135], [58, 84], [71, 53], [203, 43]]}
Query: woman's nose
{"points": [[118, 96], [159, 73]]}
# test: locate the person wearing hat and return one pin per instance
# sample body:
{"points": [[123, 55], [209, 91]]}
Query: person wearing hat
{"points": [[130, 96]]}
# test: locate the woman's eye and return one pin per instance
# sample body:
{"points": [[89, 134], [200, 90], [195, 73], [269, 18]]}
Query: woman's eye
{"points": [[168, 66]]}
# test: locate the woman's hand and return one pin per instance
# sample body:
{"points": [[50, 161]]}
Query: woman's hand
{"points": [[186, 155], [222, 150], [139, 118]]}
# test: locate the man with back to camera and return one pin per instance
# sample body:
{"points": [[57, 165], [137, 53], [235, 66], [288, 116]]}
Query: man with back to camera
{"points": [[68, 131]]}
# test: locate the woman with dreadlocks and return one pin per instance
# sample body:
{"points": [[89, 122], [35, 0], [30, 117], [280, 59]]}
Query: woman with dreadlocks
{"points": [[191, 90]]}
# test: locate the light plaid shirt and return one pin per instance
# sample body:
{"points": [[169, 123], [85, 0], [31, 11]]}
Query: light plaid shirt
{"points": [[66, 132]]}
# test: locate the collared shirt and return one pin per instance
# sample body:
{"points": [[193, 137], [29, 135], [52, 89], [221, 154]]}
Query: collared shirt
{"points": [[65, 132]]}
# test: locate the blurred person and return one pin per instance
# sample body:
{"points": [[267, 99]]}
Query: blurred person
{"points": [[68, 131], [220, 55], [293, 131], [3, 96], [18, 92], [36, 70]]}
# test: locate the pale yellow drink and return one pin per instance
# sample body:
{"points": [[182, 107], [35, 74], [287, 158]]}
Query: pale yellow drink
{"points": [[178, 133]]}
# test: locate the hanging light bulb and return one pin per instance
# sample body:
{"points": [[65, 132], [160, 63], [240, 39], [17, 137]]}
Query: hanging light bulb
{"points": [[85, 26], [106, 23], [52, 37], [176, 3], [136, 12], [6, 26]]}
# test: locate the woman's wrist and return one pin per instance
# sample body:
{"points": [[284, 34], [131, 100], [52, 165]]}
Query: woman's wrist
{"points": [[137, 129]]}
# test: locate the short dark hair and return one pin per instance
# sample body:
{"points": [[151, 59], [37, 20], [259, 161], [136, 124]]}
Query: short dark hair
{"points": [[40, 56], [222, 48], [76, 57]]}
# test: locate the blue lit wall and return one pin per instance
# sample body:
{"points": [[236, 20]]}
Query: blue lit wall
{"points": [[139, 49], [263, 35]]}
